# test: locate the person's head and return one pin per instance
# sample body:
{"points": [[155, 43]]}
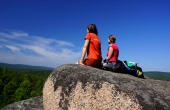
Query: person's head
{"points": [[92, 29], [111, 39]]}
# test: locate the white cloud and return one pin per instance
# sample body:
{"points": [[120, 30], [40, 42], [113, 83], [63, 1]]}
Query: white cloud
{"points": [[35, 50], [13, 48], [21, 34], [13, 34], [63, 43], [5, 35], [3, 40]]}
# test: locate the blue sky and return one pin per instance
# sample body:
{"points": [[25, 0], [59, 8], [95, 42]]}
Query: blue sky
{"points": [[51, 33]]}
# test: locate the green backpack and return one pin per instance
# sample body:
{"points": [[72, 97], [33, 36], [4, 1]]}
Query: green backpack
{"points": [[133, 66]]}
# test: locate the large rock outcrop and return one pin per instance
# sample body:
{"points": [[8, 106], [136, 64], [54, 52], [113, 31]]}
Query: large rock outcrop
{"points": [[78, 87], [35, 103]]}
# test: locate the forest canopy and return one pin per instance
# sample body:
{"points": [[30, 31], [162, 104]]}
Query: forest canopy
{"points": [[17, 85]]}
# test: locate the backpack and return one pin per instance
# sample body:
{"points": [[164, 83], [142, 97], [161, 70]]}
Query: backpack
{"points": [[133, 68], [127, 67]]}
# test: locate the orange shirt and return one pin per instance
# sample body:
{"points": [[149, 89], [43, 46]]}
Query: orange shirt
{"points": [[94, 48]]}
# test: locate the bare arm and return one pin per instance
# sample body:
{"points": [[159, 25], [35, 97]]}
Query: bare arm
{"points": [[84, 50], [110, 53]]}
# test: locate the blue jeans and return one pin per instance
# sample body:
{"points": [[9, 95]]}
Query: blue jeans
{"points": [[110, 65]]}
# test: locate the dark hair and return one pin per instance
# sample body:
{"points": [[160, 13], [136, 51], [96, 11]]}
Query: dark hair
{"points": [[92, 29], [112, 38]]}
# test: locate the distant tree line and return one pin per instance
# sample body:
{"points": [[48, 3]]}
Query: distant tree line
{"points": [[165, 76], [17, 85]]}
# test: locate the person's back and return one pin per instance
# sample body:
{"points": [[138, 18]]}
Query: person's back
{"points": [[115, 54], [94, 48], [112, 54]]}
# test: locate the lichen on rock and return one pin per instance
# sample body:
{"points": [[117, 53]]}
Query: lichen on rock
{"points": [[80, 87]]}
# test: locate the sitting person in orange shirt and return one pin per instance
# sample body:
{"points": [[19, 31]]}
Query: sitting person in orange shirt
{"points": [[112, 54], [92, 46]]}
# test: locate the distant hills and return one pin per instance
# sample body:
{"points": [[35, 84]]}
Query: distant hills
{"points": [[157, 75], [22, 66]]}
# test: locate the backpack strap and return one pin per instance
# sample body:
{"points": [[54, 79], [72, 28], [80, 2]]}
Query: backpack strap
{"points": [[126, 65]]}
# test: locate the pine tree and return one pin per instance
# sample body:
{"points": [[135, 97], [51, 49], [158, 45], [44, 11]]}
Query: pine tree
{"points": [[8, 91], [23, 92]]}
